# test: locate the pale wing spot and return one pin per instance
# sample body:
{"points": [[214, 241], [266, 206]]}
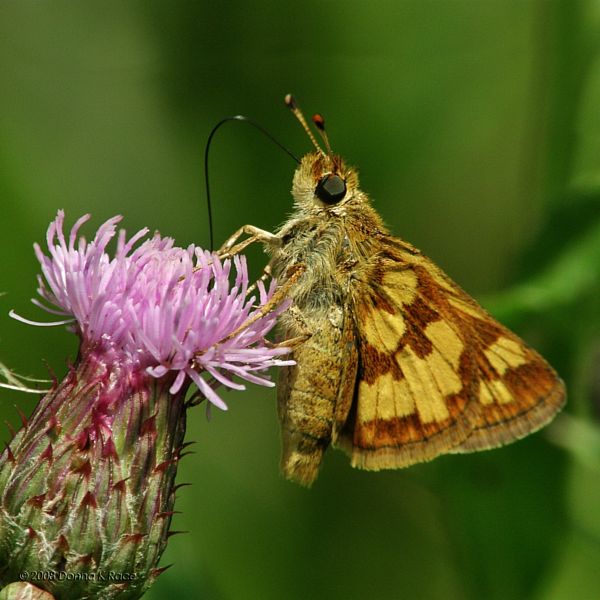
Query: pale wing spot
{"points": [[445, 340], [485, 396], [401, 285], [367, 401], [385, 399], [505, 354], [430, 400], [403, 402], [383, 330], [446, 377], [498, 392]]}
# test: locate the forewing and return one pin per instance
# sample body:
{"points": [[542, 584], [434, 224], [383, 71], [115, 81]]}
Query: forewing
{"points": [[437, 373]]}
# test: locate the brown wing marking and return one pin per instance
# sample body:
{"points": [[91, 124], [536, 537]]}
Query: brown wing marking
{"points": [[518, 391], [411, 396], [437, 374]]}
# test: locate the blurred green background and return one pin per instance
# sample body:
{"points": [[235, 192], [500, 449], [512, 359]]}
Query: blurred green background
{"points": [[476, 127]]}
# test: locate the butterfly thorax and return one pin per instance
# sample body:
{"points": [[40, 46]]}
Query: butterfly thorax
{"points": [[329, 239]]}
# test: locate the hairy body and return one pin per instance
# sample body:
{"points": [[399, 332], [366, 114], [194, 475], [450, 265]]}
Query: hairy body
{"points": [[400, 364]]}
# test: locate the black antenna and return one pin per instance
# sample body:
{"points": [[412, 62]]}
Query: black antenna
{"points": [[210, 137]]}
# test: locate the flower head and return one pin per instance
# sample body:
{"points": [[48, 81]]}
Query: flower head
{"points": [[87, 484], [171, 311]]}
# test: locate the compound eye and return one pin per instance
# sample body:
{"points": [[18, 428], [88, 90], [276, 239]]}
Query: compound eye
{"points": [[331, 189]]}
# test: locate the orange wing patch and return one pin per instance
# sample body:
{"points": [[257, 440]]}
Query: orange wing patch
{"points": [[437, 374]]}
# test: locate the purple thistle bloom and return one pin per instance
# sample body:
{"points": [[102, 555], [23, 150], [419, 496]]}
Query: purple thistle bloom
{"points": [[170, 310], [87, 485]]}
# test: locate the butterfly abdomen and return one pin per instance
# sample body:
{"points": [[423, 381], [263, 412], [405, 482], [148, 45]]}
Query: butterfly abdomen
{"points": [[315, 394]]}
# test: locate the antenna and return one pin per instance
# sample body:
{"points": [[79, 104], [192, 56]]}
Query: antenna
{"points": [[208, 142], [319, 122], [291, 103]]}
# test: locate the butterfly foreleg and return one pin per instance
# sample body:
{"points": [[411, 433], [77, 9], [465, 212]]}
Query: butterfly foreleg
{"points": [[231, 247], [301, 328]]}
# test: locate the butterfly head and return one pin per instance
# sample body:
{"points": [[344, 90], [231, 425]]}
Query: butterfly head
{"points": [[322, 180]]}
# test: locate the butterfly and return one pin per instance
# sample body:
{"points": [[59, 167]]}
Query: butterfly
{"points": [[398, 364]]}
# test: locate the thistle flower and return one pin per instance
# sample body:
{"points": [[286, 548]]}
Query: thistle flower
{"points": [[87, 485]]}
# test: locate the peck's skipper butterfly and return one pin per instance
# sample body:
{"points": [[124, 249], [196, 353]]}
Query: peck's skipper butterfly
{"points": [[400, 365]]}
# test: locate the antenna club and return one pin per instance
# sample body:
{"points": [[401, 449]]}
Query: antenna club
{"points": [[319, 121], [290, 101]]}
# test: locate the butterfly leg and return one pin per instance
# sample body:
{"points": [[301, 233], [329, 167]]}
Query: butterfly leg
{"points": [[231, 247], [267, 274], [277, 298], [301, 328]]}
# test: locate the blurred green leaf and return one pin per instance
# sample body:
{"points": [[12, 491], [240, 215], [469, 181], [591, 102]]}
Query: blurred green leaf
{"points": [[568, 279]]}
